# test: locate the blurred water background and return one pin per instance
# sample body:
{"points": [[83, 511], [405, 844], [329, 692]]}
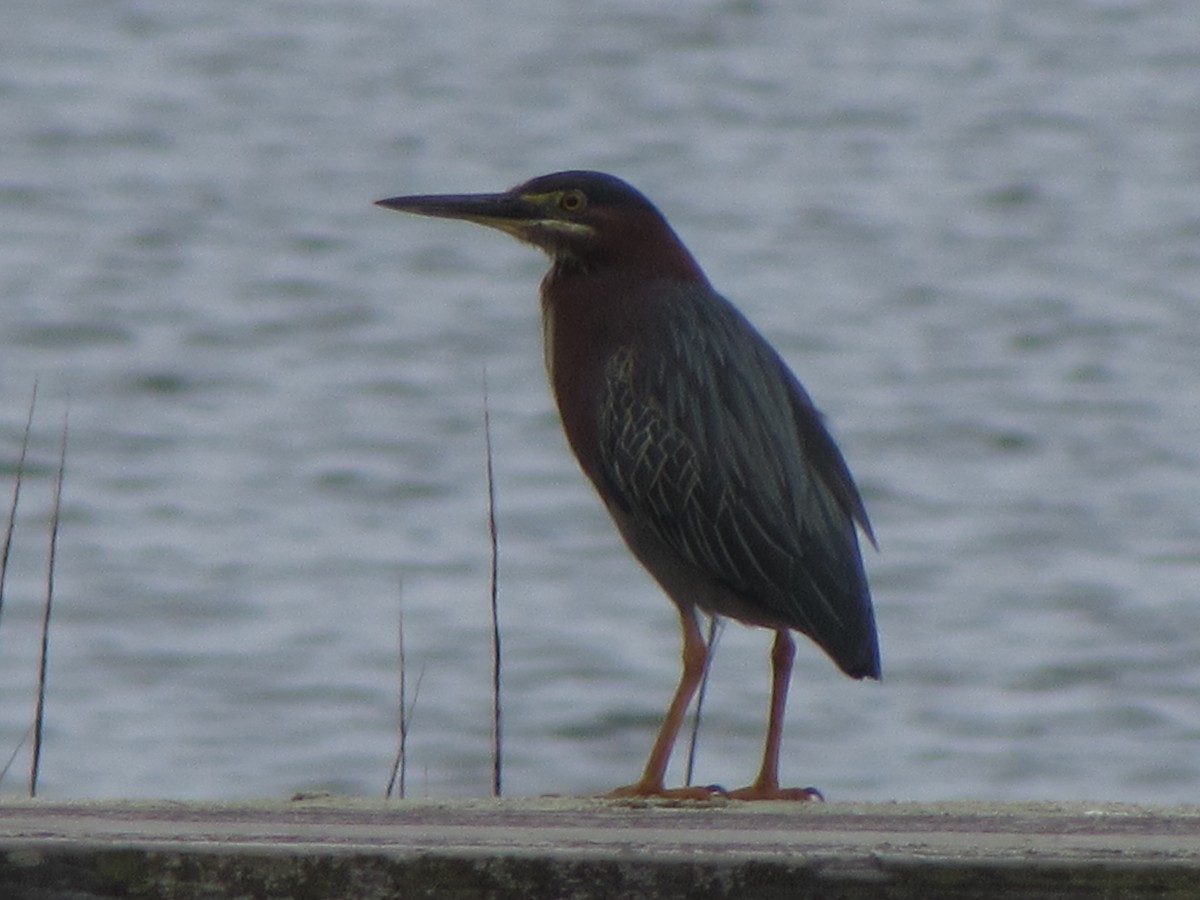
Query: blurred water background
{"points": [[972, 228]]}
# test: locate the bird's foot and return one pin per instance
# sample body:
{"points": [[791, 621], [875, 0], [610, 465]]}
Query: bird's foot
{"points": [[644, 789], [775, 792]]}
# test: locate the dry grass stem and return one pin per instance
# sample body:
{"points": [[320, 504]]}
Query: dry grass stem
{"points": [[715, 625], [16, 495], [497, 743], [39, 716], [398, 778]]}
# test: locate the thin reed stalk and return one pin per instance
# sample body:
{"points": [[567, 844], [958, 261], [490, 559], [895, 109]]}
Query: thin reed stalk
{"points": [[714, 631], [39, 716], [497, 733], [398, 778], [12, 757], [16, 496]]}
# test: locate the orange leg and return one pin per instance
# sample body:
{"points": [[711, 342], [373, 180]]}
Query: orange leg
{"points": [[766, 785], [695, 657]]}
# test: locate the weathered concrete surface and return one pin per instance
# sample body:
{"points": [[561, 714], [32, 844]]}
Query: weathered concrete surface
{"points": [[566, 849]]}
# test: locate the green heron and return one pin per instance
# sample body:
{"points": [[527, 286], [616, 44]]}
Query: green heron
{"points": [[704, 447]]}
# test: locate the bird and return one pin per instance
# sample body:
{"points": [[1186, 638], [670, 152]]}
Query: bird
{"points": [[708, 453]]}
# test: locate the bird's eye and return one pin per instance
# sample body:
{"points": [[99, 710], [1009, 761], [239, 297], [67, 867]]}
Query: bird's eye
{"points": [[572, 201]]}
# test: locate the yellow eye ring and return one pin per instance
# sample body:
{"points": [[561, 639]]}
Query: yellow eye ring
{"points": [[572, 201]]}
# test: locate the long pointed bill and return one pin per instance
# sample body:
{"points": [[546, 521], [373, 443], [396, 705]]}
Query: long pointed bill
{"points": [[508, 212]]}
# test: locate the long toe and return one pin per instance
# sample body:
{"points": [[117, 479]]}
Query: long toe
{"points": [[768, 792], [691, 792]]}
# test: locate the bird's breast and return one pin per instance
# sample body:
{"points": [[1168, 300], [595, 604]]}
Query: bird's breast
{"points": [[579, 338]]}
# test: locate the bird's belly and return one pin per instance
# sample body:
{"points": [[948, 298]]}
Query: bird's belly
{"points": [[688, 586]]}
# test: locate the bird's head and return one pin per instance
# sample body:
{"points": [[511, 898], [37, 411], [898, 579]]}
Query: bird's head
{"points": [[580, 217]]}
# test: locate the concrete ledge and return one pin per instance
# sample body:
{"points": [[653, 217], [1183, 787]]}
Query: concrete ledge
{"points": [[568, 848]]}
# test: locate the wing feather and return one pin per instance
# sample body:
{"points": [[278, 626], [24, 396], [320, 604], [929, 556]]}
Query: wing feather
{"points": [[710, 441]]}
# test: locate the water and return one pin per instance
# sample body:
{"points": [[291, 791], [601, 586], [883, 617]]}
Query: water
{"points": [[972, 230]]}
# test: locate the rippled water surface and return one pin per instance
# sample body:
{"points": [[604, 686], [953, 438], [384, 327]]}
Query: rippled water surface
{"points": [[974, 230]]}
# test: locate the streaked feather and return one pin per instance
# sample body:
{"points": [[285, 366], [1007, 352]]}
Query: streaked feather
{"points": [[710, 441]]}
